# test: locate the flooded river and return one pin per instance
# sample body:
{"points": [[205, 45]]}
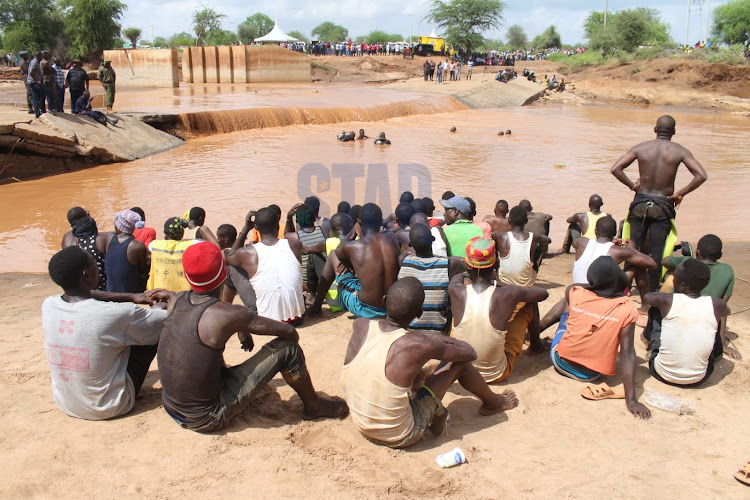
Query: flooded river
{"points": [[556, 157]]}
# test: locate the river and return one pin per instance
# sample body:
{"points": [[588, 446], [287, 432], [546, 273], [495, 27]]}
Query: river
{"points": [[557, 156]]}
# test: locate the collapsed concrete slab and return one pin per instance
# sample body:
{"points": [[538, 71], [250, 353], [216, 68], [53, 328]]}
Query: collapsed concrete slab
{"points": [[36, 147]]}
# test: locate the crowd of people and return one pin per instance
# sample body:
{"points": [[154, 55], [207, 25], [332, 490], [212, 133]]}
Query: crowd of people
{"points": [[426, 283], [46, 79]]}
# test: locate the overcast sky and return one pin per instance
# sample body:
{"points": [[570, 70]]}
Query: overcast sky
{"points": [[164, 17]]}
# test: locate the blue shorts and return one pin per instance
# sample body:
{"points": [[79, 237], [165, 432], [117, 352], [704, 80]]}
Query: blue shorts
{"points": [[349, 287], [562, 365]]}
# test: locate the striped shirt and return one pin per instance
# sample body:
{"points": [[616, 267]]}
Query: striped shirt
{"points": [[59, 76], [310, 240], [433, 273]]}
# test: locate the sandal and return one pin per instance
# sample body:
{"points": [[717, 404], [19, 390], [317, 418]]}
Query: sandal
{"points": [[743, 475], [602, 391]]}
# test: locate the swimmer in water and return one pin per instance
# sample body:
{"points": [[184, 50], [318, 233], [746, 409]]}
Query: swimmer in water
{"points": [[381, 139], [362, 135]]}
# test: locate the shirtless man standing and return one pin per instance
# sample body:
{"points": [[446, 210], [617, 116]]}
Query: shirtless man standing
{"points": [[653, 209], [374, 258]]}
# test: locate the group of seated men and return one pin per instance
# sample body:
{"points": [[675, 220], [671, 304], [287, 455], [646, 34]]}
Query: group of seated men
{"points": [[424, 286]]}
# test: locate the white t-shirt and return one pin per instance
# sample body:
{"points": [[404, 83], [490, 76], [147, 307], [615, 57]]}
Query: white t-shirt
{"points": [[88, 345]]}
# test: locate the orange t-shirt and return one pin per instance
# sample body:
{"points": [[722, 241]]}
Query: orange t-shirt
{"points": [[593, 331]]}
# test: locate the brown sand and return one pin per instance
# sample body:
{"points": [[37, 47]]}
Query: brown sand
{"points": [[554, 444]]}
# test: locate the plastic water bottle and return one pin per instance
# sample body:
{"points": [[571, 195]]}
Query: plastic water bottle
{"points": [[453, 457], [670, 404]]}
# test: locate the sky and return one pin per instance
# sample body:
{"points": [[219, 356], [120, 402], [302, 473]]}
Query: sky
{"points": [[165, 17]]}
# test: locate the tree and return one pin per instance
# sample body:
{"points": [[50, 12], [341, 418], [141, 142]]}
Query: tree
{"points": [[132, 34], [550, 38], [160, 41], [732, 22], [329, 32], [626, 29], [182, 39], [298, 35], [29, 24], [464, 21], [206, 20], [221, 37], [254, 27], [517, 37], [92, 25]]}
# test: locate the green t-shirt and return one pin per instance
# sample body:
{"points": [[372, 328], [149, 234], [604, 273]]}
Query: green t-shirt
{"points": [[458, 235], [721, 282]]}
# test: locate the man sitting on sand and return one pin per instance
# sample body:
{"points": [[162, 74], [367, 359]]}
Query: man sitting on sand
{"points": [[458, 229], [595, 319], [196, 228], [166, 257], [582, 224], [199, 392], [273, 267], [374, 260], [499, 220], [85, 234], [384, 365], [587, 251], [515, 249], [682, 328], [483, 310], [434, 273], [98, 352], [719, 286]]}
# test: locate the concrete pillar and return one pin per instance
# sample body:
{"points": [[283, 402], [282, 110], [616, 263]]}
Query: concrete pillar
{"points": [[187, 66], [239, 63], [199, 67], [211, 64], [225, 64]]}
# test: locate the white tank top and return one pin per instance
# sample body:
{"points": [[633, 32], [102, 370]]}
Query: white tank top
{"points": [[593, 251], [516, 268], [278, 282], [438, 244], [476, 330], [380, 409], [688, 333]]}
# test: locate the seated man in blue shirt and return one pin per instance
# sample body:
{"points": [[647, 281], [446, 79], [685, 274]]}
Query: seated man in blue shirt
{"points": [[83, 107]]}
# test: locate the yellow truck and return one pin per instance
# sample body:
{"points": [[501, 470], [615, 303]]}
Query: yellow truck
{"points": [[431, 45]]}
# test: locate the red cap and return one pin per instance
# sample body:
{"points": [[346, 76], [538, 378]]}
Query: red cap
{"points": [[204, 266]]}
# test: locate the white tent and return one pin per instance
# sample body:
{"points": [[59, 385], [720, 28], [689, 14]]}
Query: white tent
{"points": [[276, 35]]}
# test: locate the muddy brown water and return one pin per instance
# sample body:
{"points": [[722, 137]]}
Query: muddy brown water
{"points": [[556, 157]]}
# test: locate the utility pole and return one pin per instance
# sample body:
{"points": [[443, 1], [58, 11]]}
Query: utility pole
{"points": [[606, 2], [708, 19], [411, 25], [687, 24]]}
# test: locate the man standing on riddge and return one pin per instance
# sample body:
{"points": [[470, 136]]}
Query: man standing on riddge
{"points": [[106, 75], [652, 212]]}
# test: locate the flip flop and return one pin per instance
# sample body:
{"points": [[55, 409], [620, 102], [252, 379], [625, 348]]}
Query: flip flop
{"points": [[743, 475], [602, 391]]}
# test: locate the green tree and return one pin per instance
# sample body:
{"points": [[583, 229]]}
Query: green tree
{"points": [[732, 22], [380, 36], [132, 34], [206, 20], [182, 39], [329, 32], [626, 29], [254, 27], [517, 38], [298, 35], [92, 25], [160, 41], [464, 21], [549, 38], [221, 37], [29, 24]]}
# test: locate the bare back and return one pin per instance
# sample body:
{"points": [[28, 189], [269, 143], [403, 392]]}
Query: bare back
{"points": [[375, 262]]}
